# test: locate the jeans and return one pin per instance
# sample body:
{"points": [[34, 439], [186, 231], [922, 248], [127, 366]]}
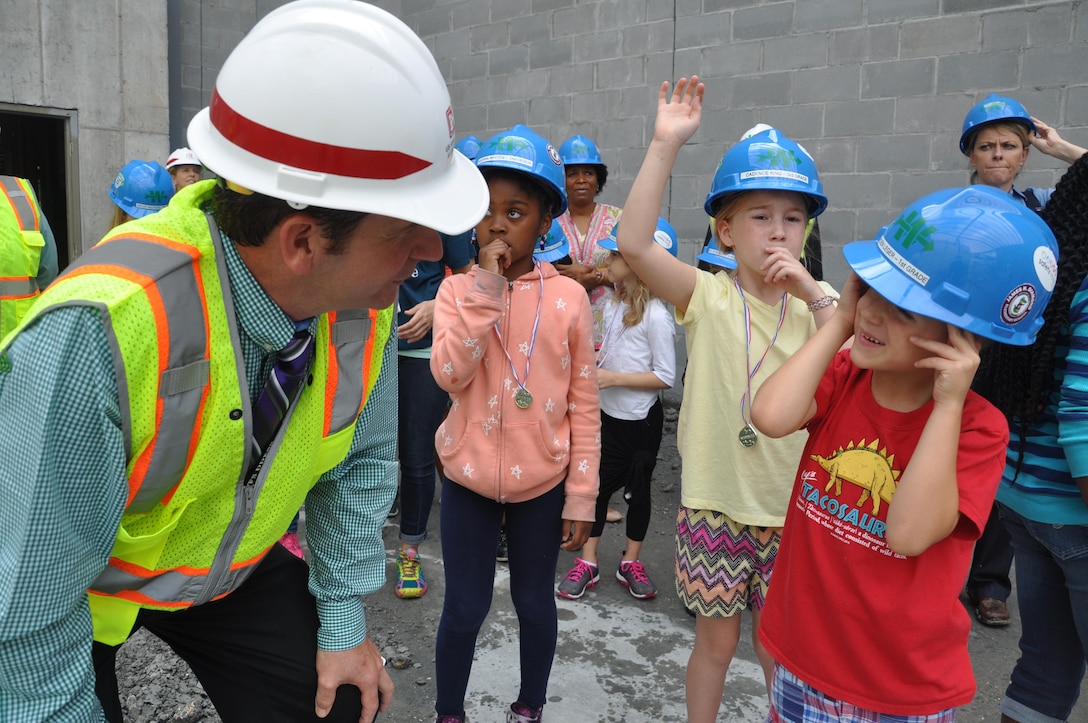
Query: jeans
{"points": [[422, 407], [470, 532], [1052, 589]]}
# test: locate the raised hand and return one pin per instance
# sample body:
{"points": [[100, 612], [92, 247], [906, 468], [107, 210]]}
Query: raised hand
{"points": [[678, 115]]}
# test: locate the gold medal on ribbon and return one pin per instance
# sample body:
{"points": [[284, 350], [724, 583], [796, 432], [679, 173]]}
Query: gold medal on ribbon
{"points": [[523, 398], [748, 436]]}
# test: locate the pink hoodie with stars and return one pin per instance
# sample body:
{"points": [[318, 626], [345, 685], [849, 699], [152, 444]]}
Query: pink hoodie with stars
{"points": [[488, 443]]}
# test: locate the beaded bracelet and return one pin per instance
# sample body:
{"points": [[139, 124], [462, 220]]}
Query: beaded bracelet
{"points": [[821, 303]]}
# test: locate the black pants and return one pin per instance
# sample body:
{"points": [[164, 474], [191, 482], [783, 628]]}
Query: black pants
{"points": [[628, 457], [989, 576], [254, 651]]}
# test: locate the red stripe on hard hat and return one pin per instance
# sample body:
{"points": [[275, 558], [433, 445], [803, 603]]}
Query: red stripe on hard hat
{"points": [[309, 155]]}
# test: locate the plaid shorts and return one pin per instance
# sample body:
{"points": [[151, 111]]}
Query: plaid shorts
{"points": [[794, 701]]}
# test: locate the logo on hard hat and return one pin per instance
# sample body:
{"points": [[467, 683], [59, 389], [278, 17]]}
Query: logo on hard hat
{"points": [[1017, 304], [662, 239], [554, 155], [119, 180], [449, 120], [1046, 267], [912, 229], [995, 106]]}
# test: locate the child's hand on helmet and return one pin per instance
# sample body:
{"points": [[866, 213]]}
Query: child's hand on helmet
{"points": [[678, 117], [954, 364]]}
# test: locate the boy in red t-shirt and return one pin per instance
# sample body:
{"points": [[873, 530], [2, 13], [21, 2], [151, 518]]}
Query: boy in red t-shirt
{"points": [[902, 462]]}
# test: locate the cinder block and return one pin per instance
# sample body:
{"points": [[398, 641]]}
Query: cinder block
{"points": [[530, 29], [1026, 27], [570, 79], [468, 15], [451, 44], [599, 46], [723, 59], [489, 37], [841, 82], [648, 38], [909, 187], [545, 6], [1076, 108], [550, 53], [977, 71], [935, 114], [827, 14], [863, 45], [574, 21], [808, 50], [798, 121], [897, 78], [893, 153], [433, 21], [856, 190], [861, 117], [940, 36], [545, 110], [469, 66], [599, 105], [766, 21], [1054, 65], [620, 73], [506, 60], [884, 11], [503, 115], [508, 9], [702, 30], [755, 91], [833, 155], [533, 84], [963, 6], [618, 14]]}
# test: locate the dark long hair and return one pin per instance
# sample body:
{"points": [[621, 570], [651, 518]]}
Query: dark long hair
{"points": [[1020, 380]]}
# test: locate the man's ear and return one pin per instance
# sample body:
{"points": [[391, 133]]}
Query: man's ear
{"points": [[298, 239]]}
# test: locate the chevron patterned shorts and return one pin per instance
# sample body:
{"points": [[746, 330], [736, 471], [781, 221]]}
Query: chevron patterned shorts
{"points": [[722, 567]]}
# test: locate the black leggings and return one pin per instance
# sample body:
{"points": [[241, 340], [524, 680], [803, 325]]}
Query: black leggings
{"points": [[628, 457], [254, 651]]}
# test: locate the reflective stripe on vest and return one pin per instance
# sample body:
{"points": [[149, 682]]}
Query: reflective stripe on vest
{"points": [[20, 251], [169, 273]]}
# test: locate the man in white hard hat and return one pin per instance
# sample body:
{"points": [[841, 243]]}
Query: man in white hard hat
{"points": [[178, 393], [184, 168]]}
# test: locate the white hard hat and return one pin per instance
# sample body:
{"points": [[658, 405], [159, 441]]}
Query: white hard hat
{"points": [[182, 157], [338, 104]]}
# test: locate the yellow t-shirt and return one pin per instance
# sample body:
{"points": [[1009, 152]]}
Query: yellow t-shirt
{"points": [[749, 484]]}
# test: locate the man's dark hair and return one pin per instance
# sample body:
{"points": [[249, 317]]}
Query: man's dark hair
{"points": [[247, 219]]}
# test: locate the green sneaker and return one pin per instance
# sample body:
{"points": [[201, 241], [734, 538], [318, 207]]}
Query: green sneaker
{"points": [[410, 582]]}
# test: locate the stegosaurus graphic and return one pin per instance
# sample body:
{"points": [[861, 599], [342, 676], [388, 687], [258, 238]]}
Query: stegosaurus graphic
{"points": [[864, 466]]}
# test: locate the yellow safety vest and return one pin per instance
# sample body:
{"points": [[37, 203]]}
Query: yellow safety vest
{"points": [[195, 523], [21, 244]]}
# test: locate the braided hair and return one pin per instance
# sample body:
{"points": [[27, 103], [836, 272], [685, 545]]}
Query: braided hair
{"points": [[1020, 380]]}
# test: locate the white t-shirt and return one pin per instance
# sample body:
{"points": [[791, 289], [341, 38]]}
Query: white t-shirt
{"points": [[648, 346]]}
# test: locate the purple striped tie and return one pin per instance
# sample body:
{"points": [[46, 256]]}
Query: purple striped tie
{"points": [[288, 372]]}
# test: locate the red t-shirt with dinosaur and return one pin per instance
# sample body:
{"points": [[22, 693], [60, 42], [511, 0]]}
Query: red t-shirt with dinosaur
{"points": [[844, 613]]}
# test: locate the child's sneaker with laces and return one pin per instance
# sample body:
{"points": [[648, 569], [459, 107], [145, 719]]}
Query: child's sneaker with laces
{"points": [[521, 713], [582, 575], [410, 582], [632, 575]]}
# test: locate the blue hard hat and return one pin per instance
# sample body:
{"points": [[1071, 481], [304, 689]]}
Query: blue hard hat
{"points": [[971, 257], [522, 149], [664, 236], [580, 151], [713, 255], [555, 245], [767, 161], [469, 147], [994, 109], [142, 188]]}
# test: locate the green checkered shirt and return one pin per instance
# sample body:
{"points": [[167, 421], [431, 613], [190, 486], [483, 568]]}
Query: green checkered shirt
{"points": [[63, 482]]}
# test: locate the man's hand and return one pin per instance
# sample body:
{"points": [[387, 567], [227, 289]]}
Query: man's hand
{"points": [[360, 666]]}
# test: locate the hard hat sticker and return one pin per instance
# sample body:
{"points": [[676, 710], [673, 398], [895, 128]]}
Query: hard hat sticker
{"points": [[1018, 303], [774, 173], [1046, 266], [504, 158], [554, 155], [905, 266], [662, 239]]}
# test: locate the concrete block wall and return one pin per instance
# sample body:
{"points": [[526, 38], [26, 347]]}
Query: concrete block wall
{"points": [[875, 89], [108, 61]]}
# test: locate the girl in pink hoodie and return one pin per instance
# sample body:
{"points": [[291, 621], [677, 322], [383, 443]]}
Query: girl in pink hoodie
{"points": [[513, 345]]}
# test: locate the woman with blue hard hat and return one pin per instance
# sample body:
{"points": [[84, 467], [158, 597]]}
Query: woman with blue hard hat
{"points": [[139, 189], [997, 135], [587, 222]]}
